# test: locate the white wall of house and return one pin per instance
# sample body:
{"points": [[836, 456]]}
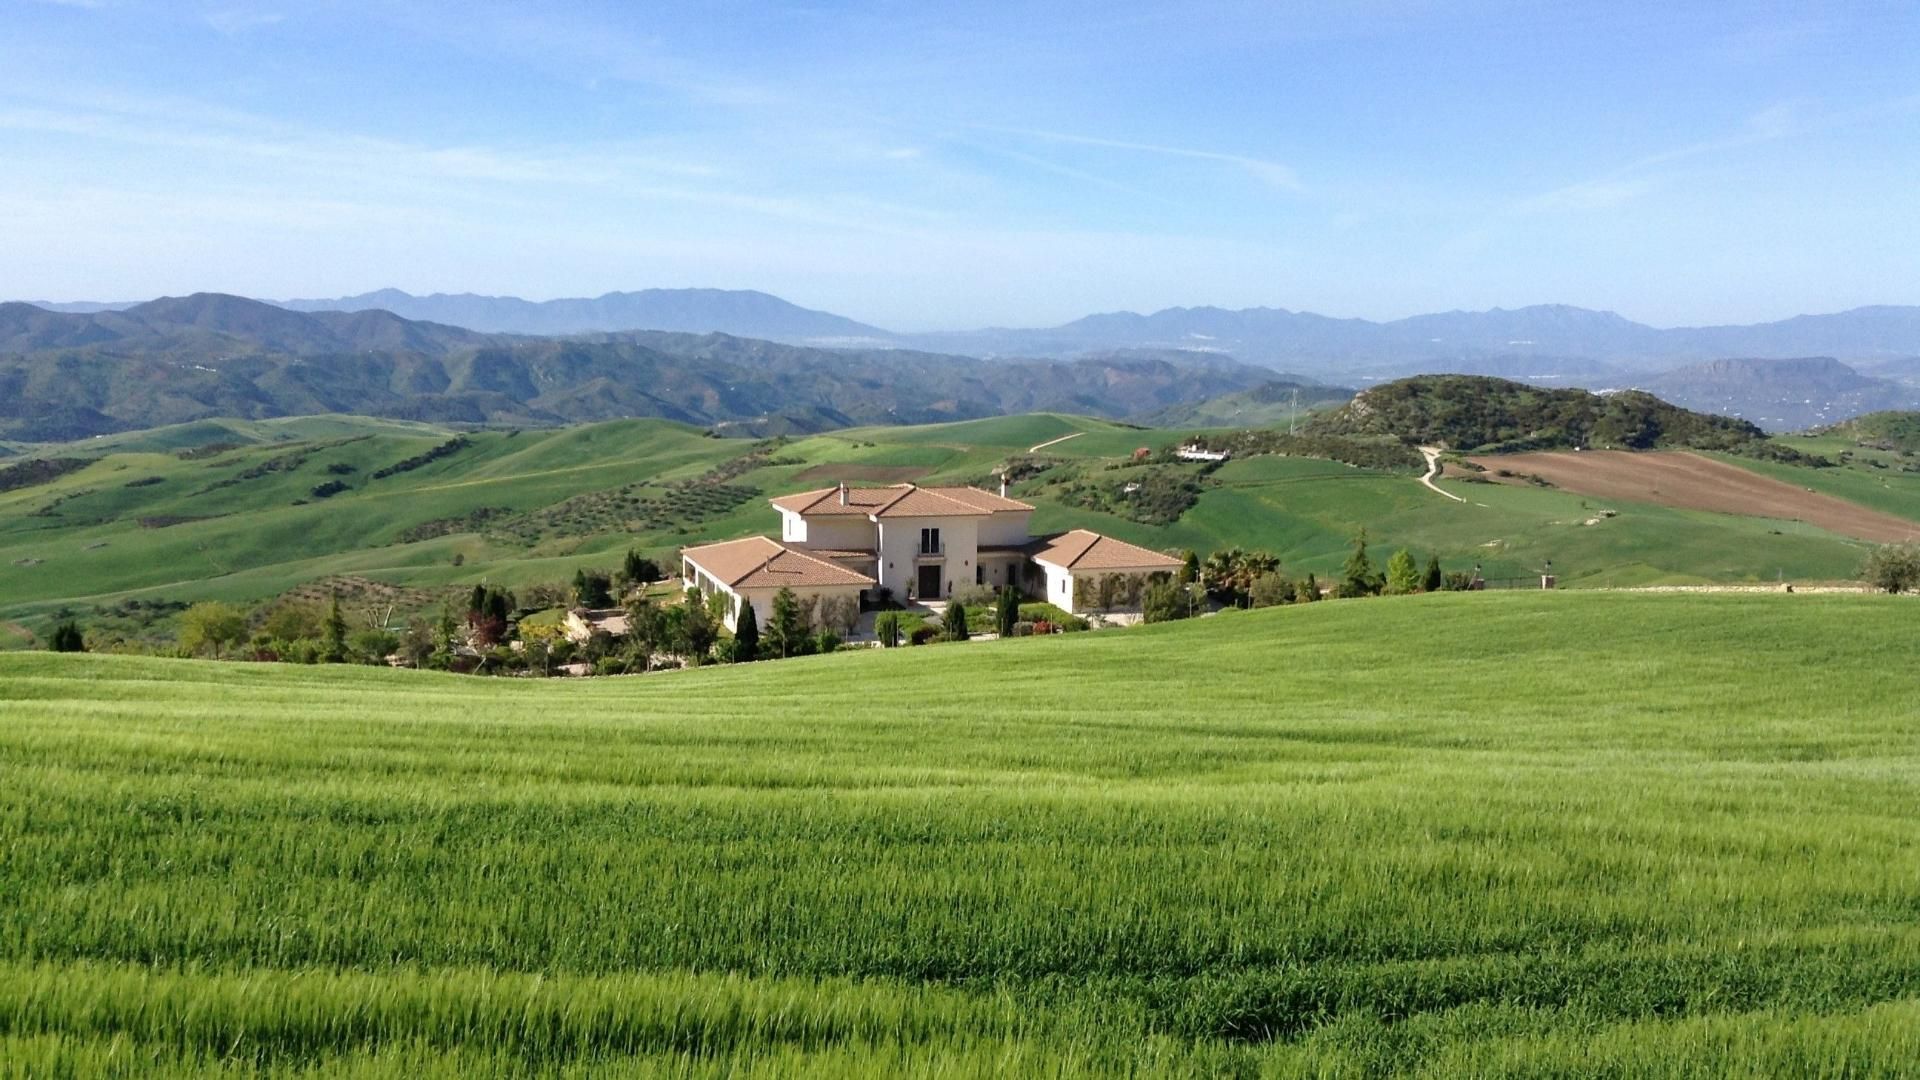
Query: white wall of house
{"points": [[697, 578], [762, 600], [1079, 592], [1059, 585], [1002, 570], [848, 532], [900, 549], [793, 527], [1006, 528]]}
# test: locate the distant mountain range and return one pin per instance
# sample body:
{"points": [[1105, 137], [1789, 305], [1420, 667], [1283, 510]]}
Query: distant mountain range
{"points": [[1807, 370], [72, 375], [1546, 342], [1781, 395], [742, 313]]}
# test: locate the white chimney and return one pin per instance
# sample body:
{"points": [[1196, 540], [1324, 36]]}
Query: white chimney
{"points": [[1003, 485], [843, 493]]}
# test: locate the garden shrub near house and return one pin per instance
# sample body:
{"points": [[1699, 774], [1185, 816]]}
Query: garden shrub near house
{"points": [[955, 622], [1166, 601]]}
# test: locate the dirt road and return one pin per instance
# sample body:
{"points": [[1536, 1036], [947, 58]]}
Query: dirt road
{"points": [[1432, 454], [1051, 442]]}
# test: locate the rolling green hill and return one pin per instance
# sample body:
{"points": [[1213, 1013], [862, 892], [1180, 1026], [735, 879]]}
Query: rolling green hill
{"points": [[1467, 834], [161, 517], [1479, 413], [1895, 431], [1273, 404]]}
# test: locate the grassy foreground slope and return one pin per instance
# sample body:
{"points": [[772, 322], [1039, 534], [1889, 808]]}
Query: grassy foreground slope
{"points": [[1461, 834]]}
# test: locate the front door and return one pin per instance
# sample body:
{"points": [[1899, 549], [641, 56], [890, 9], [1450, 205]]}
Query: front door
{"points": [[929, 583]]}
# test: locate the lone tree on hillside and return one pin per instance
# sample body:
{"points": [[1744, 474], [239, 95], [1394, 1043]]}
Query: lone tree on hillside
{"points": [[210, 627], [67, 638], [955, 622], [1893, 568], [786, 630], [1402, 576], [1006, 610], [334, 642], [1434, 579], [1358, 578], [746, 635]]}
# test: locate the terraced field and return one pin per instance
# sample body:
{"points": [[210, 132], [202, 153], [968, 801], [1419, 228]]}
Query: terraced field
{"points": [[1578, 834]]}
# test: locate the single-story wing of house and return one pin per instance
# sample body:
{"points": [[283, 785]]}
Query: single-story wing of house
{"points": [[755, 569], [1072, 563]]}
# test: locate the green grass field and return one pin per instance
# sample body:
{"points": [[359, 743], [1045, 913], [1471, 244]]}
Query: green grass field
{"points": [[145, 523], [1491, 834]]}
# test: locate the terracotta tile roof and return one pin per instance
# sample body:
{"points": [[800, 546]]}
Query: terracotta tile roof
{"points": [[1081, 549], [899, 500], [861, 501], [760, 563], [839, 553]]}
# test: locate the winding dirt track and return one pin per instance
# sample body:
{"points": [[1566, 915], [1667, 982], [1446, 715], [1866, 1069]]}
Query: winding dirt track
{"points": [[1432, 454], [1692, 482]]}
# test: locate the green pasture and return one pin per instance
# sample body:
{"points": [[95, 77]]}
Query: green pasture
{"points": [[1307, 511], [1873, 478], [244, 525], [1463, 834]]}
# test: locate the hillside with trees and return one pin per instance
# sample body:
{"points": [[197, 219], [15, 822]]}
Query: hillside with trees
{"points": [[1896, 431], [1488, 415]]}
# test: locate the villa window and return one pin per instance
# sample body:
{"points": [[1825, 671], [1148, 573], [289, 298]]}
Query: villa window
{"points": [[929, 541]]}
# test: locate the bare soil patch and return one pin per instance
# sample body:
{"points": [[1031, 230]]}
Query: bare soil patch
{"points": [[1691, 482], [878, 474]]}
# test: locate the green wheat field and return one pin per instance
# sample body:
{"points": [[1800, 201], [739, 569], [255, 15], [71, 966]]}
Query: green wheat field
{"points": [[1463, 834]]}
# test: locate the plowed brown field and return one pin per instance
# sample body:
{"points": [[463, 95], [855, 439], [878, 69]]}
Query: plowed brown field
{"points": [[1692, 482]]}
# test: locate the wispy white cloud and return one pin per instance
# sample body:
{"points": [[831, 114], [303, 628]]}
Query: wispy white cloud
{"points": [[1274, 173], [1782, 120], [232, 21], [1599, 194]]}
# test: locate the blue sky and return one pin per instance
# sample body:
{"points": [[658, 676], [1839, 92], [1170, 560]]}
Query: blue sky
{"points": [[1008, 164]]}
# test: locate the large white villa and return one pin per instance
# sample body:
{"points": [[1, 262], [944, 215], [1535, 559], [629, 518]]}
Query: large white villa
{"points": [[915, 543]]}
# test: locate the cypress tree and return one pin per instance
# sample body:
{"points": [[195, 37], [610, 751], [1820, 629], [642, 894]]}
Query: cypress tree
{"points": [[335, 629], [786, 629], [1434, 578], [956, 622], [1007, 610], [746, 635], [1403, 577], [1357, 578]]}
